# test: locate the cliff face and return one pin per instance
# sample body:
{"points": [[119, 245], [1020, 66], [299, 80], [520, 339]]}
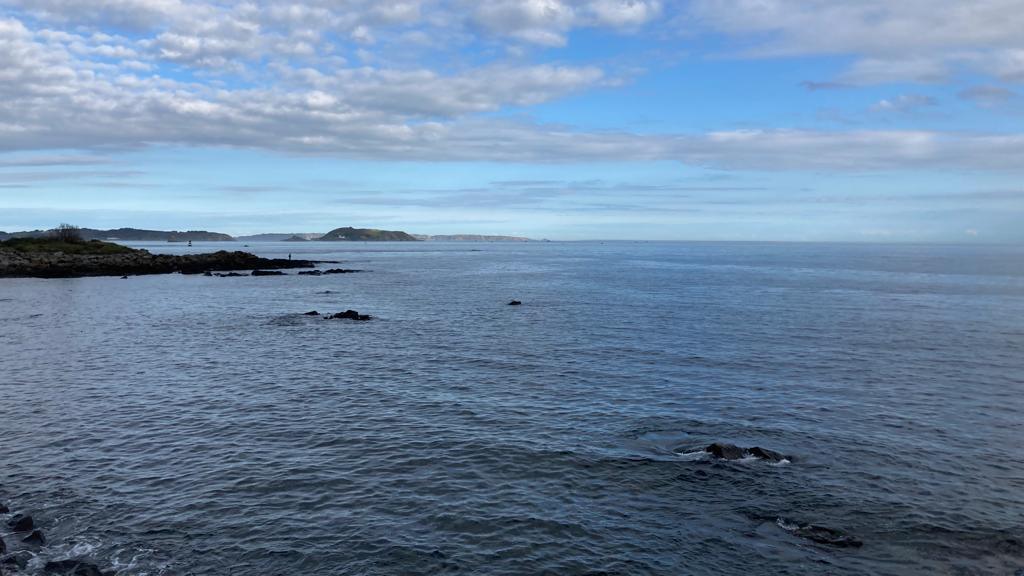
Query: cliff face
{"points": [[349, 234]]}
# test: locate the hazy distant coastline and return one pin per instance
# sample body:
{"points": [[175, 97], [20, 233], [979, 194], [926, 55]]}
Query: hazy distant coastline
{"points": [[344, 234]]}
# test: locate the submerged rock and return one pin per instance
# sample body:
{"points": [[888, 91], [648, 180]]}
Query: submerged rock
{"points": [[726, 451], [340, 271], [3, 546], [349, 315], [36, 537], [72, 568], [515, 303], [4, 509], [21, 523], [825, 535], [733, 452], [765, 454], [267, 273], [311, 313], [229, 275], [310, 273]]}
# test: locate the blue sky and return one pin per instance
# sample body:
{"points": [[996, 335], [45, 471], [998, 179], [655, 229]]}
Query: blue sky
{"points": [[610, 119]]}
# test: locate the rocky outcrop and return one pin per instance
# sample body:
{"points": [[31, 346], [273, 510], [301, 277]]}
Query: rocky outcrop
{"points": [[72, 568], [733, 452], [36, 538], [21, 523], [14, 263], [349, 315], [515, 303], [267, 273]]}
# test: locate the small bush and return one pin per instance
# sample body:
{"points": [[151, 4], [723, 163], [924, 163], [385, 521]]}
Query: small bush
{"points": [[67, 233]]}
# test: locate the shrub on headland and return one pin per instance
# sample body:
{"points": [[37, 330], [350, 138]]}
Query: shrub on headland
{"points": [[67, 233]]}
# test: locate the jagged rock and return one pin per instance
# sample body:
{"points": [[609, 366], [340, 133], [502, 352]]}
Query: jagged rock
{"points": [[765, 454], [36, 538], [726, 451], [72, 568], [733, 452], [311, 313], [515, 303], [21, 523], [106, 261], [825, 535], [349, 315], [267, 273]]}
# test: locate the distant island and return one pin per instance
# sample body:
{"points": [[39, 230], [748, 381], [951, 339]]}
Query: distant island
{"points": [[469, 238], [345, 234], [130, 234], [349, 234], [280, 237]]}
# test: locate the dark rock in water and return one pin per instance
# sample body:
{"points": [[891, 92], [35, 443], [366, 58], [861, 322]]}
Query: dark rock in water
{"points": [[733, 452], [349, 315], [208, 273], [515, 303], [21, 523], [72, 568], [310, 273], [229, 275], [311, 313], [124, 277], [36, 537], [726, 451], [267, 273], [765, 454], [4, 509], [825, 535], [3, 546], [340, 271]]}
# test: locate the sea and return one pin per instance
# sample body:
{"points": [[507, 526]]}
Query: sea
{"points": [[192, 425]]}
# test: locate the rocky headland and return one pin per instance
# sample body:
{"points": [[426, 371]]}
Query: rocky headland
{"points": [[47, 258]]}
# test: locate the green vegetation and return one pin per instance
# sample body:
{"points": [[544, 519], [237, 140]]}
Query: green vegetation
{"points": [[366, 235], [38, 245]]}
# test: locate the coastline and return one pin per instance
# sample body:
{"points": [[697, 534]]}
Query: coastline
{"points": [[133, 262]]}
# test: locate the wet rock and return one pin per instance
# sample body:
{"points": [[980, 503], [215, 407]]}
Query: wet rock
{"points": [[267, 273], [3, 546], [726, 451], [340, 271], [733, 452], [310, 273], [21, 523], [36, 538], [515, 303], [311, 313], [765, 454], [349, 315], [4, 509], [829, 536], [124, 277], [72, 568], [208, 273], [229, 275]]}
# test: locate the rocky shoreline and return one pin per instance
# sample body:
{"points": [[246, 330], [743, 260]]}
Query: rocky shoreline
{"points": [[19, 264]]}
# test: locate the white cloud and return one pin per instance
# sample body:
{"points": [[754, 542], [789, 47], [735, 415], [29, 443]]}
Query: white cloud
{"points": [[905, 40], [904, 103]]}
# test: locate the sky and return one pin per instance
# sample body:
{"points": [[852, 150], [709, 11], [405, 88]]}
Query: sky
{"points": [[767, 120]]}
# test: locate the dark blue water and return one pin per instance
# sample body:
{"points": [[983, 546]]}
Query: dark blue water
{"points": [[193, 425]]}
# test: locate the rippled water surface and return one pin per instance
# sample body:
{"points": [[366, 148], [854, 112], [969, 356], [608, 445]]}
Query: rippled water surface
{"points": [[192, 425]]}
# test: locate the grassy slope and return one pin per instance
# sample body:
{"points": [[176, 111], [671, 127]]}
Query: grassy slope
{"points": [[37, 245]]}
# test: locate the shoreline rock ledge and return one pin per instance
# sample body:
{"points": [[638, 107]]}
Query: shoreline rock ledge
{"points": [[104, 259]]}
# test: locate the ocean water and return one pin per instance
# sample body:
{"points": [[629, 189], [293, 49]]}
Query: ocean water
{"points": [[172, 425]]}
